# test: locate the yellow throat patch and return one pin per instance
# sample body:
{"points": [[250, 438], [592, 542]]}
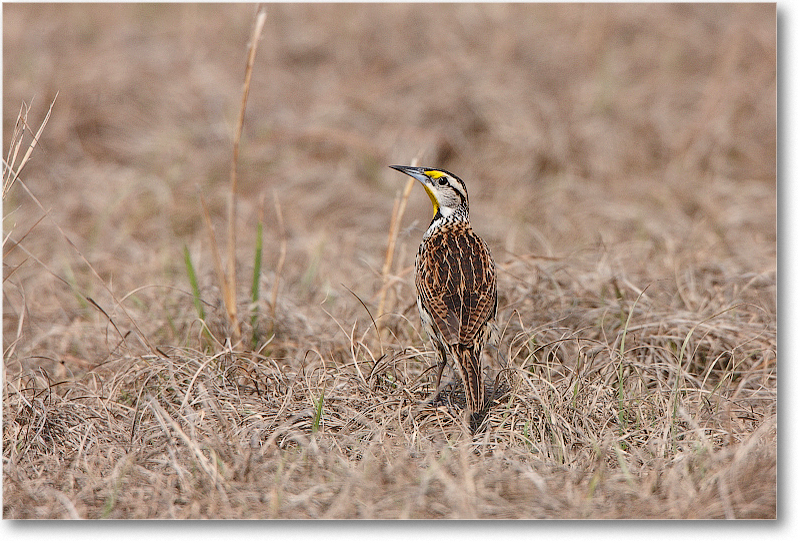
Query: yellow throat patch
{"points": [[433, 174], [434, 201]]}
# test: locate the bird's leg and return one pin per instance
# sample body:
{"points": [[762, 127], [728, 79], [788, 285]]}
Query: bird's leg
{"points": [[442, 364], [439, 370], [474, 420]]}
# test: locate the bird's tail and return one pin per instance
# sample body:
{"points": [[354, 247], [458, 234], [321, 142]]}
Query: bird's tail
{"points": [[469, 364]]}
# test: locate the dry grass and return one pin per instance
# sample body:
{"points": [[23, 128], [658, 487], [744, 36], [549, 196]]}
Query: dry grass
{"points": [[621, 165]]}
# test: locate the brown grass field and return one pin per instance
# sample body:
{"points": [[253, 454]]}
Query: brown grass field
{"points": [[621, 162]]}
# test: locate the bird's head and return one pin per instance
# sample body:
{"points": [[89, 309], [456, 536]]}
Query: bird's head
{"points": [[446, 190]]}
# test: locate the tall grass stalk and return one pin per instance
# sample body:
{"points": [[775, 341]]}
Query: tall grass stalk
{"points": [[228, 280]]}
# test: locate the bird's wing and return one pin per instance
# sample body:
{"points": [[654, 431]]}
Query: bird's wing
{"points": [[457, 282]]}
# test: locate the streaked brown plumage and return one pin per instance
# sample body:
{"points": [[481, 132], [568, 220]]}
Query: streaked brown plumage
{"points": [[456, 283]]}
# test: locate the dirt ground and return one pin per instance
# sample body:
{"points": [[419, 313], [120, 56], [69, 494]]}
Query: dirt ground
{"points": [[621, 165]]}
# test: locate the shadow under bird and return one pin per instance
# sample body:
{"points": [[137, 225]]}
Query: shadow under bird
{"points": [[456, 284]]}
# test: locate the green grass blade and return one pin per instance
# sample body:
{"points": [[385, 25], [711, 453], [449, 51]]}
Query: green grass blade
{"points": [[256, 276], [198, 304], [318, 413], [257, 262]]}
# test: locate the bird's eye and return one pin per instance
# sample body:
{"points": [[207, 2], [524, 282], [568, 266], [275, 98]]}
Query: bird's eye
{"points": [[442, 181]]}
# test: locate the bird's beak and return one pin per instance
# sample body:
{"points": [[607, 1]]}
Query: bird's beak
{"points": [[419, 175], [414, 171]]}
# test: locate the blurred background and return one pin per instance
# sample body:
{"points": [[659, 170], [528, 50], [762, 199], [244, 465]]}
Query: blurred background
{"points": [[644, 135]]}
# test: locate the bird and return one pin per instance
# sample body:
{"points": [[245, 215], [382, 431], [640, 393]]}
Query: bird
{"points": [[456, 283]]}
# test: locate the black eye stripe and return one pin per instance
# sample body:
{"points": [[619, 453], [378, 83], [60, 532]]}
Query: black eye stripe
{"points": [[448, 179], [461, 190]]}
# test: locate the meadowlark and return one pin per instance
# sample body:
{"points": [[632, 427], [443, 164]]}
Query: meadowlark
{"points": [[456, 284]]}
